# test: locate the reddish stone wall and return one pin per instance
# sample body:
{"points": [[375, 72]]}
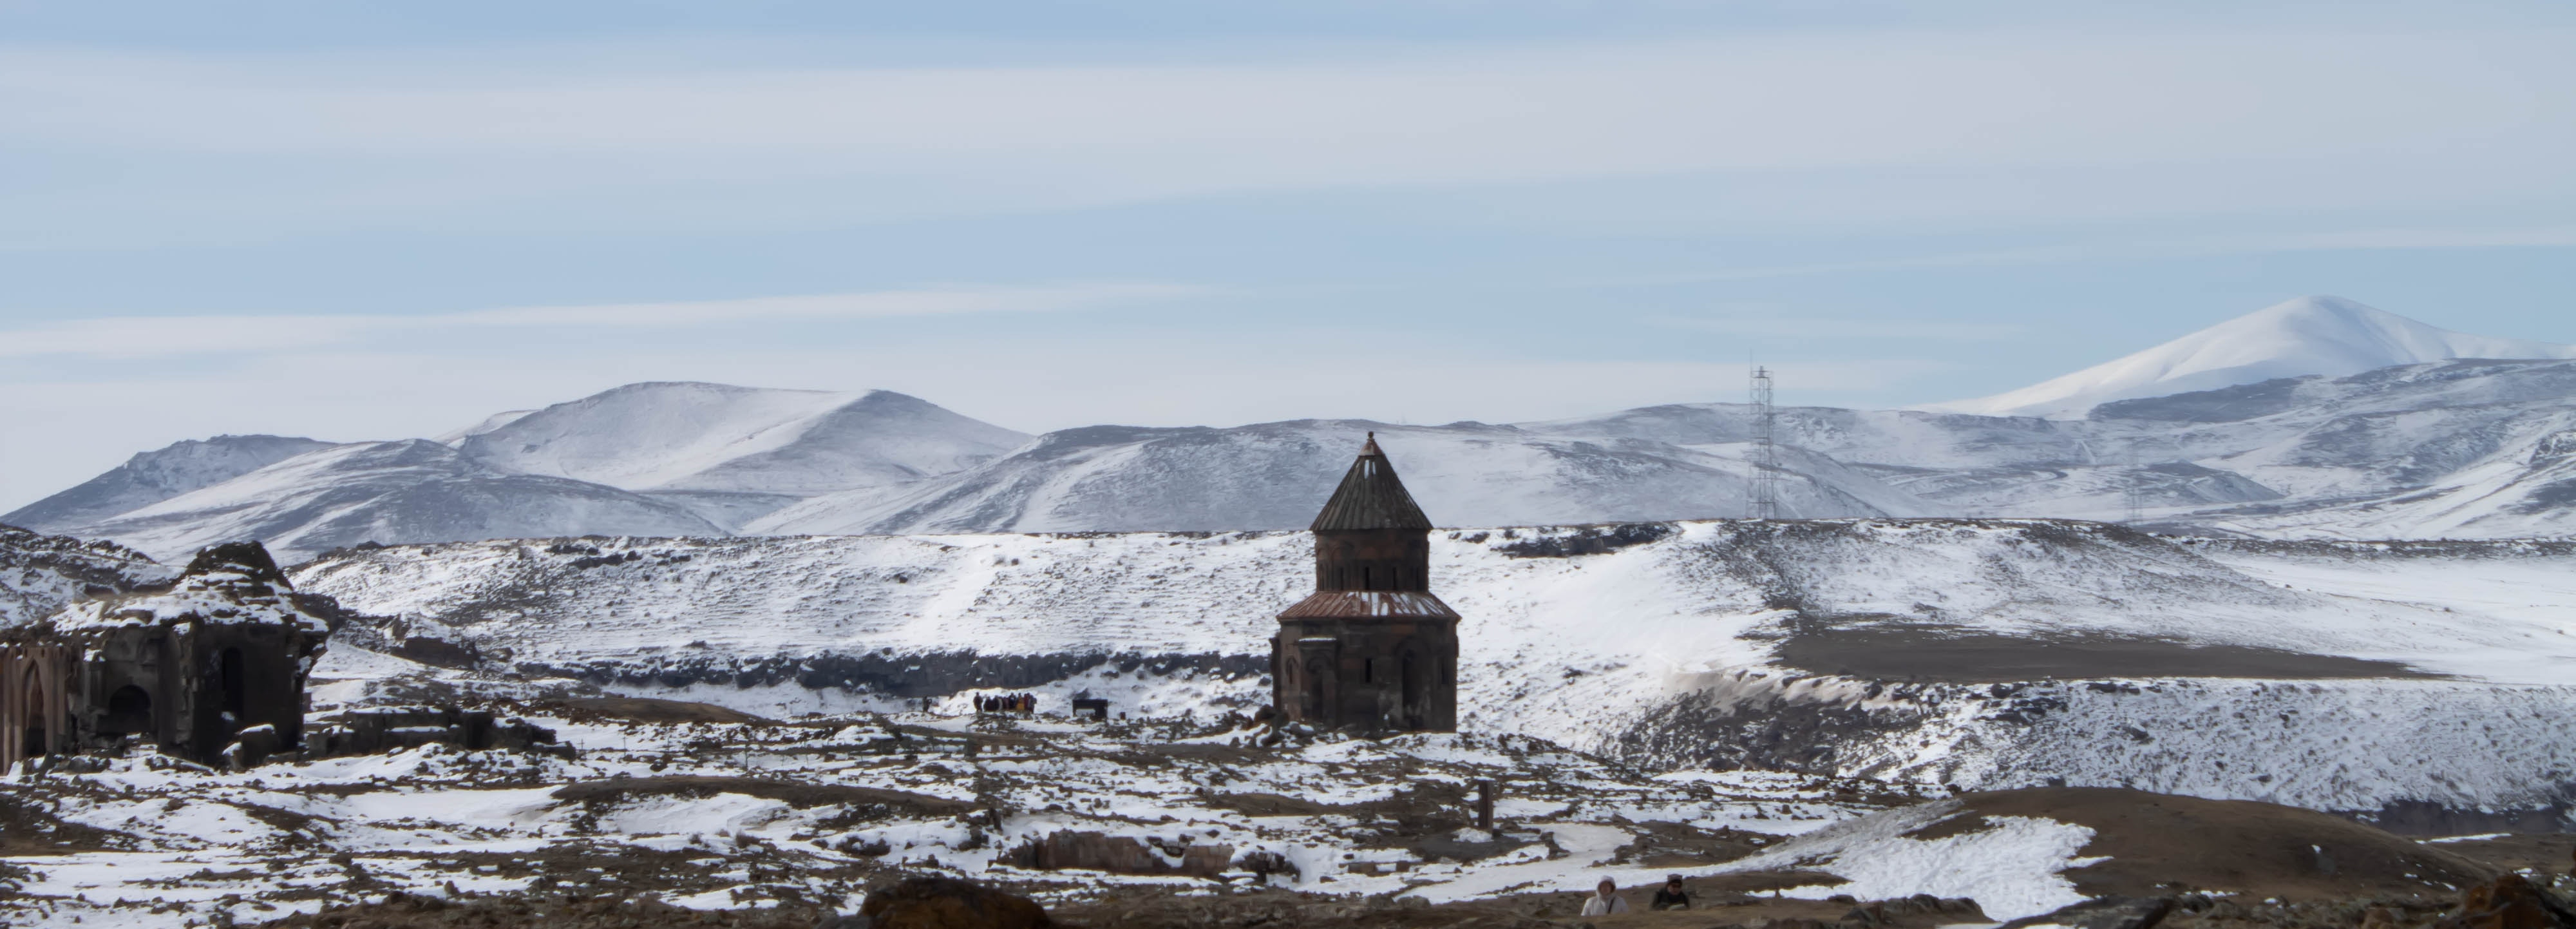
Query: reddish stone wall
{"points": [[35, 702]]}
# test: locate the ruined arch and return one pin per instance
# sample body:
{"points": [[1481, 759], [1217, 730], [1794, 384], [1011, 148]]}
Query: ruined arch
{"points": [[38, 738], [129, 712]]}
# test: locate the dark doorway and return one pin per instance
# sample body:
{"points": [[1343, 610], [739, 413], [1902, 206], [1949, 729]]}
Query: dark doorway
{"points": [[1415, 694], [234, 681], [129, 711], [1314, 692], [35, 742]]}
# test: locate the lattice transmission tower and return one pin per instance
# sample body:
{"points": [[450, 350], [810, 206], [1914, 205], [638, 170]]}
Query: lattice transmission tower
{"points": [[1764, 497], [2133, 494]]}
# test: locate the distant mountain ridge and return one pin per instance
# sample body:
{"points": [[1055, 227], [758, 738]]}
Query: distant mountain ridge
{"points": [[2466, 447], [717, 437], [658, 458], [2320, 335], [2473, 448], [157, 475], [380, 491]]}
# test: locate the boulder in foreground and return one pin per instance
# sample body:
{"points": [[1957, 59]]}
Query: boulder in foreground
{"points": [[949, 903]]}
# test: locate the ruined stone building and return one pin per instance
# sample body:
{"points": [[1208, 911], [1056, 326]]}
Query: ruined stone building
{"points": [[224, 649], [1372, 648]]}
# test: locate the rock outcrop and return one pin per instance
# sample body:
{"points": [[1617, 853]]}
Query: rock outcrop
{"points": [[949, 903]]}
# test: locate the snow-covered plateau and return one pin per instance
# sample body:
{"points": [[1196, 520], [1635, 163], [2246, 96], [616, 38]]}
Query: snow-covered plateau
{"points": [[2363, 677]]}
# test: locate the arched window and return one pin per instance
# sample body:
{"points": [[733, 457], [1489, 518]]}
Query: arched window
{"points": [[36, 742], [129, 710]]}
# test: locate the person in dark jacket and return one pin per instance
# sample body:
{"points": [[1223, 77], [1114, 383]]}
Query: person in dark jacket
{"points": [[1670, 896]]}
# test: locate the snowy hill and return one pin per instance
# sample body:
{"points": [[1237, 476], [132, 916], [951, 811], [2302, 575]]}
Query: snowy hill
{"points": [[1275, 476], [2319, 335], [1939, 651], [2471, 449], [40, 573], [2449, 449], [2462, 448], [656, 459], [455, 437], [154, 476], [714, 437], [2352, 440], [411, 490]]}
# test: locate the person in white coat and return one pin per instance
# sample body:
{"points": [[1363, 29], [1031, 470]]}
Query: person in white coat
{"points": [[1604, 900]]}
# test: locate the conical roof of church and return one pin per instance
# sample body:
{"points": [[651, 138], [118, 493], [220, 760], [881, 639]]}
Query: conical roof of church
{"points": [[1371, 498]]}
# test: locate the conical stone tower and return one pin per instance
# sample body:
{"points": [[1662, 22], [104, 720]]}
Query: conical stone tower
{"points": [[1372, 648]]}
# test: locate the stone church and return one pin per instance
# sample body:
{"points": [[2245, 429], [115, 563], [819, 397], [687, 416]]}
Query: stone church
{"points": [[1372, 649], [219, 656]]}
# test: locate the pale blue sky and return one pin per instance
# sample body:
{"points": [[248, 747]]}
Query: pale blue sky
{"points": [[329, 219]]}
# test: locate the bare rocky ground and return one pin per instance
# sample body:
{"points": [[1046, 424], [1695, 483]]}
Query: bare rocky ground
{"points": [[677, 814]]}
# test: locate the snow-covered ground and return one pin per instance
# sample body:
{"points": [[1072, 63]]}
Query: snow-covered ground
{"points": [[1662, 644], [772, 816]]}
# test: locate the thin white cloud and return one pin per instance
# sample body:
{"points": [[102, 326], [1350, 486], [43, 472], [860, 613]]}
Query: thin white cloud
{"points": [[2356, 239], [2523, 237], [1929, 98], [1790, 324], [161, 336]]}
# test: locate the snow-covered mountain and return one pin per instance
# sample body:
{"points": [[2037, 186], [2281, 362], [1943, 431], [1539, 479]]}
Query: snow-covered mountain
{"points": [[409, 490], [2449, 448], [656, 458], [2318, 335], [2462, 448], [454, 437], [2459, 449], [153, 476], [719, 438], [1276, 475], [2470, 449]]}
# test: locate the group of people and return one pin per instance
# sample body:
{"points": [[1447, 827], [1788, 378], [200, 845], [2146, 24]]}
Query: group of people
{"points": [[1007, 703], [1605, 898]]}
